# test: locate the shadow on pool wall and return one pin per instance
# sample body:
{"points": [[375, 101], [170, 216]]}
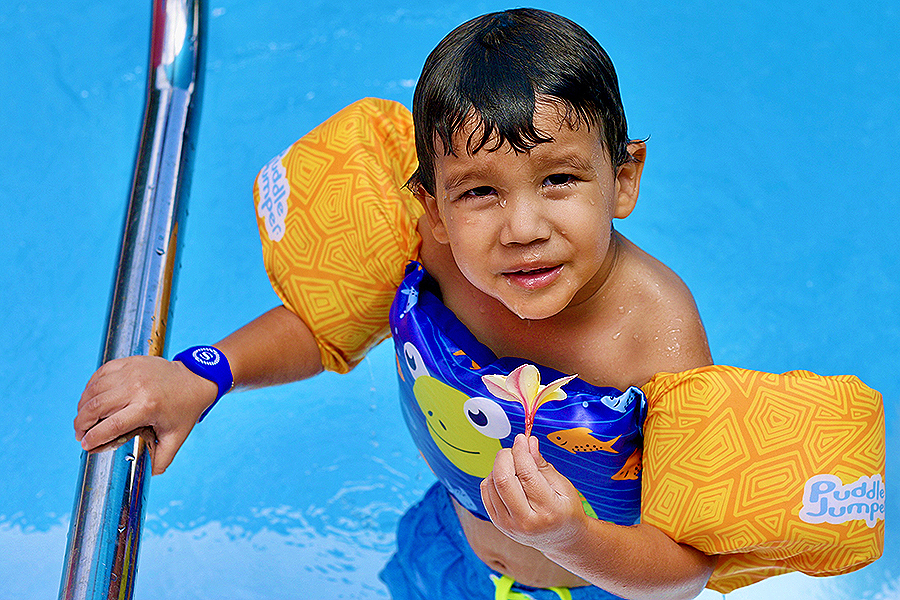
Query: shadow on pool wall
{"points": [[770, 188]]}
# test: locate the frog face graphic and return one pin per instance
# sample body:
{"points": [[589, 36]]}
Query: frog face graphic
{"points": [[467, 430]]}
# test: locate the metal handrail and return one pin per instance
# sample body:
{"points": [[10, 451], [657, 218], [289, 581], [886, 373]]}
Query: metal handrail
{"points": [[105, 531]]}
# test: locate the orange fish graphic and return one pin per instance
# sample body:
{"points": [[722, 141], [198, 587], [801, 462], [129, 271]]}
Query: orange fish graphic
{"points": [[632, 467], [580, 439]]}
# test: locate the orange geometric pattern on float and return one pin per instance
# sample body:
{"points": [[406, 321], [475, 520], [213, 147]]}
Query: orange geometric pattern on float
{"points": [[338, 226], [777, 473]]}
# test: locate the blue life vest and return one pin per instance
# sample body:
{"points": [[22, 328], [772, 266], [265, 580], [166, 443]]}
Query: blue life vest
{"points": [[459, 414]]}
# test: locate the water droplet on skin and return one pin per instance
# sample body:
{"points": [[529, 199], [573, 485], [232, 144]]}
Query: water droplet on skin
{"points": [[671, 337], [516, 310], [621, 310], [502, 203], [616, 335]]}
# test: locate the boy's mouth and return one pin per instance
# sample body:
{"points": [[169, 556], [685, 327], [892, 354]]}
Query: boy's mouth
{"points": [[535, 278]]}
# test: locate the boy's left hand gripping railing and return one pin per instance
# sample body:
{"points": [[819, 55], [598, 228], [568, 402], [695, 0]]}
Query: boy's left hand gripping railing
{"points": [[104, 535]]}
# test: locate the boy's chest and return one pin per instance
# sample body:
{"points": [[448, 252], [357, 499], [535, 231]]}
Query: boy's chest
{"points": [[600, 353]]}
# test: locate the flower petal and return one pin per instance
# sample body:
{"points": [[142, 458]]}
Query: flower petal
{"points": [[512, 381], [552, 390], [529, 381], [497, 385]]}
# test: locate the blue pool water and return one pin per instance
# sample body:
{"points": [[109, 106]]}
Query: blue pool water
{"points": [[771, 188]]}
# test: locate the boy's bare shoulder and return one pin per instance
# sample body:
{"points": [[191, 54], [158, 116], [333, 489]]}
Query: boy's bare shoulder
{"points": [[667, 332]]}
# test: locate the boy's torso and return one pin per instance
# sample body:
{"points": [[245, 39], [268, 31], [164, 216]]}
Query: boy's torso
{"points": [[641, 322]]}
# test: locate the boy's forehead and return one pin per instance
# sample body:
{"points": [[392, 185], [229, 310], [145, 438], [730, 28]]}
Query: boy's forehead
{"points": [[550, 118]]}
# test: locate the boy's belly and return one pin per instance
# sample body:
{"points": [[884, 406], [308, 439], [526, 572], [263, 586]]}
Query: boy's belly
{"points": [[523, 563]]}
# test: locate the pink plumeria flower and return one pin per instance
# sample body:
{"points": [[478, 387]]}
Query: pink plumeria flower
{"points": [[523, 385]]}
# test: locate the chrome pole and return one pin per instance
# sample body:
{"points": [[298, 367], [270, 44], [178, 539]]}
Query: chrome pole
{"points": [[104, 534]]}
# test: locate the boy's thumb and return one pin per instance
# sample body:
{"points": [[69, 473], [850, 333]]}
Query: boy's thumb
{"points": [[534, 449], [557, 480]]}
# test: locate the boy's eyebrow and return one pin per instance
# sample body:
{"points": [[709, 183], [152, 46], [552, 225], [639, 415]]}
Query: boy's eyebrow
{"points": [[462, 178], [573, 160], [546, 160]]}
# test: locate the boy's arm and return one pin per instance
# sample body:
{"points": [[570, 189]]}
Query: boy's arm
{"points": [[533, 504], [126, 394], [277, 347]]}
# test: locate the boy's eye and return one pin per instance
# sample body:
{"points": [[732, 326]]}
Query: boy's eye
{"points": [[559, 179], [480, 191]]}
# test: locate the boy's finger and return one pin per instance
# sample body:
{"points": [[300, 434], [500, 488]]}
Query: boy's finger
{"points": [[557, 482], [97, 408], [547, 470], [164, 451], [105, 388], [531, 477], [505, 481], [95, 386], [535, 450], [100, 380], [111, 427], [491, 501]]}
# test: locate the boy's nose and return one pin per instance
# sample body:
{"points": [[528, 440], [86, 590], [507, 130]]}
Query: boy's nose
{"points": [[523, 222]]}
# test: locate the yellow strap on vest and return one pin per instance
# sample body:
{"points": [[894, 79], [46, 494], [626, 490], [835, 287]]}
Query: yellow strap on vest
{"points": [[503, 590]]}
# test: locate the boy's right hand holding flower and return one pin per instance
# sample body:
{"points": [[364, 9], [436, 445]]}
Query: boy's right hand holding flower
{"points": [[531, 502], [528, 499]]}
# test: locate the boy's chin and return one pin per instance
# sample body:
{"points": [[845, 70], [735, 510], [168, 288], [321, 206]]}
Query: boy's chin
{"points": [[530, 309]]}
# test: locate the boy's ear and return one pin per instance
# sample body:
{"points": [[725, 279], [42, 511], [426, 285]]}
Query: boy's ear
{"points": [[628, 180], [432, 214]]}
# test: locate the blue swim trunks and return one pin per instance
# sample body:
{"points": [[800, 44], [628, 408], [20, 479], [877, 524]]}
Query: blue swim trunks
{"points": [[434, 560]]}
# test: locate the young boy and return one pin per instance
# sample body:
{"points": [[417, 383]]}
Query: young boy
{"points": [[523, 164]]}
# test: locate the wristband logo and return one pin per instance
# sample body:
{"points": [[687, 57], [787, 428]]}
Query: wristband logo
{"points": [[206, 356]]}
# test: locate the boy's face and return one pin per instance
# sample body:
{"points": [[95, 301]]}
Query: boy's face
{"points": [[533, 230]]}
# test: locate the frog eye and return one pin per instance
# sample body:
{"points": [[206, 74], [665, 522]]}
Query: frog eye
{"points": [[414, 360], [488, 417]]}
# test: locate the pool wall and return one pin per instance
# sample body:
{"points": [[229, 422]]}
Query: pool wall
{"points": [[770, 187]]}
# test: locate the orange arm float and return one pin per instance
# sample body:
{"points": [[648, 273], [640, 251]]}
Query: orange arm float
{"points": [[338, 226], [777, 473]]}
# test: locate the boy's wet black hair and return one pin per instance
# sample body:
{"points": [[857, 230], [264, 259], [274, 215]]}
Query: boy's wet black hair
{"points": [[494, 67]]}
